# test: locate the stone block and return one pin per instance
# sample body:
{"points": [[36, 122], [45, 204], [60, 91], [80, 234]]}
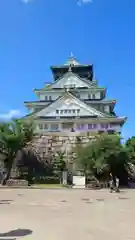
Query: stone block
{"points": [[66, 138], [48, 145], [17, 182], [60, 142], [57, 144], [73, 141], [72, 138], [85, 140], [61, 138]]}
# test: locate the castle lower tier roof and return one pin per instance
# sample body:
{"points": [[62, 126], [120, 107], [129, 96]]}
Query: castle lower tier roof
{"points": [[66, 66], [87, 119], [71, 79], [50, 89], [45, 102], [69, 101], [79, 69]]}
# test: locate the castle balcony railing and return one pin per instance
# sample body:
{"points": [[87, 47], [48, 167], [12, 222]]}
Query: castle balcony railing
{"points": [[81, 129]]}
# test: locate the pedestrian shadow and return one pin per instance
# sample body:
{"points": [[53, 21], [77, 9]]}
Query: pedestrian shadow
{"points": [[100, 199], [5, 201], [85, 199], [7, 238], [15, 233], [63, 201], [123, 198]]}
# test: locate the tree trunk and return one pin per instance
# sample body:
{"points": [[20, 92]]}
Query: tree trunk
{"points": [[7, 174]]}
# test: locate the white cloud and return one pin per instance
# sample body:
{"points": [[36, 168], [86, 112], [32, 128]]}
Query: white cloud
{"points": [[11, 114], [26, 1], [81, 2]]}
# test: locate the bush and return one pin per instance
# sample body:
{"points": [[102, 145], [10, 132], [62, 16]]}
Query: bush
{"points": [[47, 180]]}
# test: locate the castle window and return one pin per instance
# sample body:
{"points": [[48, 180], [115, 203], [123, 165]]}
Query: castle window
{"points": [[93, 96], [89, 96], [65, 111], [50, 98], [90, 126], [57, 111], [104, 125], [46, 98], [78, 110], [45, 126], [113, 125], [54, 127], [61, 111], [69, 110], [73, 110]]}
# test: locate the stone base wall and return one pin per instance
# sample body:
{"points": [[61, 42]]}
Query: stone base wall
{"points": [[53, 142]]}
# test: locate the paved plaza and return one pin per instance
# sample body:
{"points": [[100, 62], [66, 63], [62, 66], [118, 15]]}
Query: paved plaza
{"points": [[64, 214]]}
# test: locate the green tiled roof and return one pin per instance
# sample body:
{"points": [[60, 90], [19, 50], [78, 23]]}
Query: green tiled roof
{"points": [[48, 86]]}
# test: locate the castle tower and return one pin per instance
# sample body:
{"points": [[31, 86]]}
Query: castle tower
{"points": [[74, 102]]}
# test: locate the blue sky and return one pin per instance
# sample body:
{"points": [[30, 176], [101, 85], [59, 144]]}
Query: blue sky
{"points": [[35, 34]]}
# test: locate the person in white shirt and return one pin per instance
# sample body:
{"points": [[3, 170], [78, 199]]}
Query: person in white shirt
{"points": [[117, 184]]}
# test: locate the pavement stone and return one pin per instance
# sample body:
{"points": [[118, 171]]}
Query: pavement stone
{"points": [[67, 214]]}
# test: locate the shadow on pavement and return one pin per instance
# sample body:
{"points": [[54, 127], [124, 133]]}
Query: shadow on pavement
{"points": [[5, 201], [8, 239], [123, 198], [85, 199], [16, 233]]}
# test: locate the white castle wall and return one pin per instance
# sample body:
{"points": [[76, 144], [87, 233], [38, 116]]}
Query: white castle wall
{"points": [[55, 95]]}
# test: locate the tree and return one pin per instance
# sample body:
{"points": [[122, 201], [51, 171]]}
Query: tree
{"points": [[14, 136], [103, 156], [59, 164], [130, 143], [28, 164]]}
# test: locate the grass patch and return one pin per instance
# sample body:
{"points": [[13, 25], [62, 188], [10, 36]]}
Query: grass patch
{"points": [[48, 185]]}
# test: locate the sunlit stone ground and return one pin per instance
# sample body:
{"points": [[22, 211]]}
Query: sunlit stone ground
{"points": [[67, 214]]}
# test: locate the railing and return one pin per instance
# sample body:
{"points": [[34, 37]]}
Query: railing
{"points": [[116, 129]]}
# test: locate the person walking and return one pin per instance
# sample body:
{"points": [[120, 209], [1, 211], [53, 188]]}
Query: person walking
{"points": [[117, 185], [111, 183]]}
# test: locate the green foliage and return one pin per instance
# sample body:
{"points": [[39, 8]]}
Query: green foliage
{"points": [[130, 144], [59, 162], [106, 154], [48, 180], [14, 136]]}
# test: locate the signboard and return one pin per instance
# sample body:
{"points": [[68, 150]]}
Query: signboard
{"points": [[79, 181]]}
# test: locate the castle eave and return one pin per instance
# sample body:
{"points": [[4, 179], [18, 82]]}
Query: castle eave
{"points": [[66, 66], [91, 89], [103, 101], [86, 119], [38, 103]]}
